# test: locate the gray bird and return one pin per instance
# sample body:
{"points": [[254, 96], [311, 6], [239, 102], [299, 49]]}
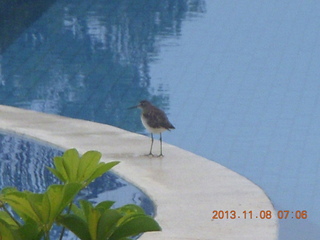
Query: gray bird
{"points": [[154, 120]]}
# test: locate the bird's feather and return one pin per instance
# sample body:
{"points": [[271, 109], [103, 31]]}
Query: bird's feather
{"points": [[157, 119]]}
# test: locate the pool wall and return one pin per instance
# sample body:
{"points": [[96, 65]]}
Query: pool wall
{"points": [[185, 188]]}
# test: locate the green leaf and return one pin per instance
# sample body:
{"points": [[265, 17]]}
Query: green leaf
{"points": [[71, 164], [43, 208], [86, 207], [20, 204], [5, 217], [58, 197], [57, 174], [60, 172], [35, 201], [92, 220], [105, 205], [100, 222], [72, 168], [100, 170], [130, 208], [138, 223], [76, 225], [7, 190], [30, 231], [92, 217], [78, 211], [6, 232], [108, 223], [71, 154], [88, 163]]}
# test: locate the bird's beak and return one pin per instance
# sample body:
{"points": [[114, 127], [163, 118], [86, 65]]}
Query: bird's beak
{"points": [[134, 107]]}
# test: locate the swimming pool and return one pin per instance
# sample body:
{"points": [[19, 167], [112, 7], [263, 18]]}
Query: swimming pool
{"points": [[241, 79], [23, 163]]}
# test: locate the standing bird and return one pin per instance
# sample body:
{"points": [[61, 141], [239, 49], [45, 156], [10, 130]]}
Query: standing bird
{"points": [[154, 120]]}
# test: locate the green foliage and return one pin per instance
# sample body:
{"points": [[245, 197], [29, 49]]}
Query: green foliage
{"points": [[6, 231], [38, 212], [72, 168], [101, 222], [42, 208]]}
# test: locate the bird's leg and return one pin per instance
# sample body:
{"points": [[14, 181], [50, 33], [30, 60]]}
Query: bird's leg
{"points": [[161, 155], [150, 153]]}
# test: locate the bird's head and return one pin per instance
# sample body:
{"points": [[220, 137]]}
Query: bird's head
{"points": [[144, 104]]}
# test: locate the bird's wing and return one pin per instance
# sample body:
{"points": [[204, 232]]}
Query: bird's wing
{"points": [[158, 119]]}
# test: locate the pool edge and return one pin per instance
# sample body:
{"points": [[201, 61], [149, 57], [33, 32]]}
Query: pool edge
{"points": [[183, 209]]}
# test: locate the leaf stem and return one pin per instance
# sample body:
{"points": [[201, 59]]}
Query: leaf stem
{"points": [[63, 229], [47, 235]]}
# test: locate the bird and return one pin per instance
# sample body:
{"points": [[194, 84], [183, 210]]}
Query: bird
{"points": [[154, 120]]}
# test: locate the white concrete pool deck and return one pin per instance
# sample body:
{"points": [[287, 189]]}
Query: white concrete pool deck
{"points": [[185, 188]]}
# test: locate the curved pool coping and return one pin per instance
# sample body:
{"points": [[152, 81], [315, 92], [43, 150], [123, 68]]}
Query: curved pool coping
{"points": [[185, 188]]}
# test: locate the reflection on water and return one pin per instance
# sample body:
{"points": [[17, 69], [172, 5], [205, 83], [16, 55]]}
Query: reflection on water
{"points": [[23, 165], [255, 64], [16, 16], [90, 59], [84, 59]]}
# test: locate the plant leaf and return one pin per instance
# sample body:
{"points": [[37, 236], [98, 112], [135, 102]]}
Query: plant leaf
{"points": [[6, 232], [7, 190], [101, 222], [59, 197], [72, 168], [43, 208], [20, 204], [88, 163], [71, 164], [76, 225], [105, 205], [57, 174], [60, 172], [108, 223], [138, 223], [30, 231], [5, 217], [130, 208], [100, 170], [78, 211]]}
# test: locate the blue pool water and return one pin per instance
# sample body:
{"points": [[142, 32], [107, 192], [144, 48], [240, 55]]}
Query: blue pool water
{"points": [[239, 80], [23, 163]]}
